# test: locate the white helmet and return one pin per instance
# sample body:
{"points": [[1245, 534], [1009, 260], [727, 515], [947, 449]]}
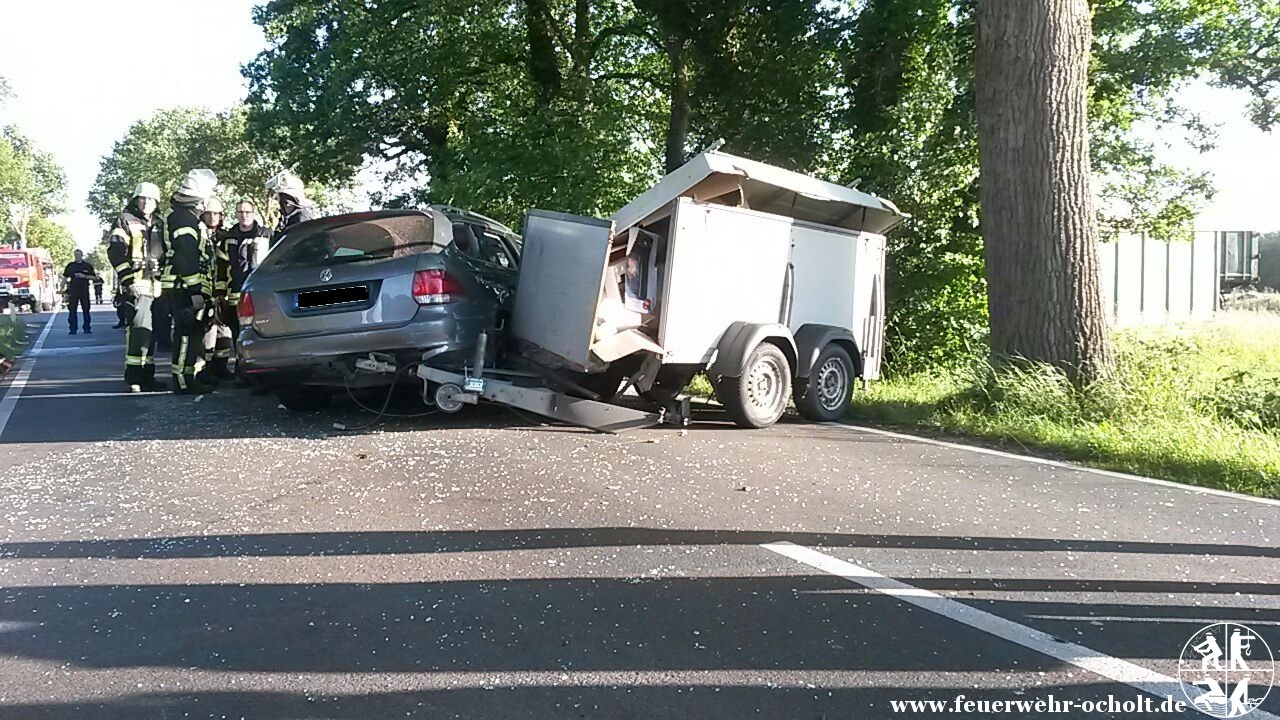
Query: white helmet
{"points": [[286, 183], [147, 190], [198, 184], [212, 205]]}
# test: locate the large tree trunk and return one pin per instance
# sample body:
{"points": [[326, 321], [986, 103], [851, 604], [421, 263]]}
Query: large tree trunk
{"points": [[1037, 208], [678, 120], [544, 66]]}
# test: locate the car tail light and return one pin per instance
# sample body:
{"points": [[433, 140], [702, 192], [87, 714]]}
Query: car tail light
{"points": [[244, 309], [431, 287]]}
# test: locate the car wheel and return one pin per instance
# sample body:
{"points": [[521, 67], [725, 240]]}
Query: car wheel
{"points": [[46, 307], [759, 396], [304, 398], [826, 395]]}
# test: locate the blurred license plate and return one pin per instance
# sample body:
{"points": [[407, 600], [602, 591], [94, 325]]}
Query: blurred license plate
{"points": [[333, 296]]}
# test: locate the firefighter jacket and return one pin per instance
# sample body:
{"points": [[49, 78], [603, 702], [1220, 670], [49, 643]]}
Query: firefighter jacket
{"points": [[191, 257], [217, 240], [300, 214], [137, 250], [242, 253]]}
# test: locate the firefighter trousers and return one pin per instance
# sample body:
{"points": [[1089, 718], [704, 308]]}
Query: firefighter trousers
{"points": [[217, 335], [140, 344], [188, 340]]}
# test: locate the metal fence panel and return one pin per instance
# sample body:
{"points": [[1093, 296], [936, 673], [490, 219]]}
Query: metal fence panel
{"points": [[1153, 282]]}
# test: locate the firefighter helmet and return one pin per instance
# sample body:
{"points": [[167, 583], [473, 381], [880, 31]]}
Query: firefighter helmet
{"points": [[147, 190], [198, 184], [286, 183]]}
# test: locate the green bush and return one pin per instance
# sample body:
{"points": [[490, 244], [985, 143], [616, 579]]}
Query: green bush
{"points": [[13, 336], [1200, 404]]}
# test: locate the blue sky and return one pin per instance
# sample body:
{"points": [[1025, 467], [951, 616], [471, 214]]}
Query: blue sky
{"points": [[84, 70]]}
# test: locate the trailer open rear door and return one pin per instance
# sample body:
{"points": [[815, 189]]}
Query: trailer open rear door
{"points": [[562, 274]]}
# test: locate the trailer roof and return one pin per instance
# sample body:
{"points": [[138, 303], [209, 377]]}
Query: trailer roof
{"points": [[765, 188]]}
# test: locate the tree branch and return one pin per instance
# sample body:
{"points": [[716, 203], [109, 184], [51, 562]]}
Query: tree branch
{"points": [[636, 29], [655, 82]]}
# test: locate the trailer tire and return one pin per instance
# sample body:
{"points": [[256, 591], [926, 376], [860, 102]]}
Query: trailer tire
{"points": [[826, 395], [758, 397]]}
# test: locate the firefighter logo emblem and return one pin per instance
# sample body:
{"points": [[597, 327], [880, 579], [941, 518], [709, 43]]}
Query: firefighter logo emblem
{"points": [[326, 275], [1226, 670]]}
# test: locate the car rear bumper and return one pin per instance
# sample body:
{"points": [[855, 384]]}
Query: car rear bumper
{"points": [[330, 359]]}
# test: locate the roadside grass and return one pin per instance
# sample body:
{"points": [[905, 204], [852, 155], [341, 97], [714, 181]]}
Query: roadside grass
{"points": [[13, 336], [1198, 404]]}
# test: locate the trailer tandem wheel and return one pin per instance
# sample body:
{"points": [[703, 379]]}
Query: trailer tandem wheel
{"points": [[758, 397], [826, 394]]}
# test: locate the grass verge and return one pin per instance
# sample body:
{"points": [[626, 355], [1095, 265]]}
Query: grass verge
{"points": [[1196, 404], [13, 336]]}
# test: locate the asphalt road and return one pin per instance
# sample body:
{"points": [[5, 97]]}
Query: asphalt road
{"points": [[166, 558]]}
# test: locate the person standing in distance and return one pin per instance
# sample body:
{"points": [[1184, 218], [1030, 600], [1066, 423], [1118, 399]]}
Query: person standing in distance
{"points": [[79, 275]]}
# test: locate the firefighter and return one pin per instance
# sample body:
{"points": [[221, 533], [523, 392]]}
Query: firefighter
{"points": [[136, 249], [190, 267], [246, 244], [217, 337], [291, 195]]}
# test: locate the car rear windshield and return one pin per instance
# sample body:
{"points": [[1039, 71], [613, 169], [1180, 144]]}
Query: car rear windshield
{"points": [[374, 239]]}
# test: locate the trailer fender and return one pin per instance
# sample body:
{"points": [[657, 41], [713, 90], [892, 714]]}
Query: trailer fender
{"points": [[811, 338], [743, 337]]}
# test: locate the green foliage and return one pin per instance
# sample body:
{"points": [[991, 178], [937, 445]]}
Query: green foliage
{"points": [[345, 81], [32, 177], [13, 336], [99, 260], [502, 106], [47, 233], [761, 72], [566, 107], [1249, 399], [152, 150], [909, 133], [162, 148], [29, 178], [1196, 404]]}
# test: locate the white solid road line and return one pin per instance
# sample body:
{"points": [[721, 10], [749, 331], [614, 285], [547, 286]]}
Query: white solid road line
{"points": [[28, 361], [1059, 464], [1121, 671]]}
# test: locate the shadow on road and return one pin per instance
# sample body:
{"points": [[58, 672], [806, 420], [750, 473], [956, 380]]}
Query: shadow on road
{"points": [[605, 624], [410, 542]]}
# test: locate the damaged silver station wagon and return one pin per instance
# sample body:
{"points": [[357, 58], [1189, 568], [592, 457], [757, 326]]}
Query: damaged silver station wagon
{"points": [[400, 284]]}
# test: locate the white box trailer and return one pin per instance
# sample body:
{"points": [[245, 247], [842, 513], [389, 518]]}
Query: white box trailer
{"points": [[769, 281]]}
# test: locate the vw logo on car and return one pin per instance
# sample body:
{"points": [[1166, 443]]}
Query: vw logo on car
{"points": [[326, 275]]}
